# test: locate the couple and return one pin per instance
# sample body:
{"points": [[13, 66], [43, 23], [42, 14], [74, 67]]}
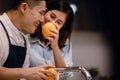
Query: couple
{"points": [[15, 49]]}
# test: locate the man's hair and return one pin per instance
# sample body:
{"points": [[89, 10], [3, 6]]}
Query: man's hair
{"points": [[14, 4]]}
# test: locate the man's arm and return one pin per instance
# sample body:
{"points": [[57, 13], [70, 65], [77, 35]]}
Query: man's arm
{"points": [[10, 73], [34, 73]]}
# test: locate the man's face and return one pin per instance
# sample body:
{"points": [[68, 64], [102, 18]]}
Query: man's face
{"points": [[33, 17]]}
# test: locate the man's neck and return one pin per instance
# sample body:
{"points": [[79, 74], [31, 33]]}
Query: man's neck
{"points": [[13, 16]]}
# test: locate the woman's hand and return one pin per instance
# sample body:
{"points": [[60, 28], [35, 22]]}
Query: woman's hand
{"points": [[54, 38]]}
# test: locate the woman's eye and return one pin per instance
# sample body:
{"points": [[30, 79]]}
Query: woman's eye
{"points": [[59, 23], [53, 16]]}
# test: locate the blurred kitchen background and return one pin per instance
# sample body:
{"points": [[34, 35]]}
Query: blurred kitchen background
{"points": [[95, 41]]}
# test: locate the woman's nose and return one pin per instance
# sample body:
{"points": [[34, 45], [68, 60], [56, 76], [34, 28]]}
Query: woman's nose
{"points": [[53, 22]]}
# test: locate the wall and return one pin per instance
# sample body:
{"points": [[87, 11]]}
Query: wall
{"points": [[90, 49]]}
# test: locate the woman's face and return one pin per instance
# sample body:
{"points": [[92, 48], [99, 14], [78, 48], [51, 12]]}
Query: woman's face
{"points": [[56, 17]]}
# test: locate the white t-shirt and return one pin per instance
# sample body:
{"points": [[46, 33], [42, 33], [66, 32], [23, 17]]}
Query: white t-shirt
{"points": [[16, 38]]}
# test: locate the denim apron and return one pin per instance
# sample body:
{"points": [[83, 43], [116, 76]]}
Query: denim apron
{"points": [[16, 54]]}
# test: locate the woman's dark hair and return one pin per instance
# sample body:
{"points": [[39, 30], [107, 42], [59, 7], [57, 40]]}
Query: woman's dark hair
{"points": [[65, 31], [14, 4]]}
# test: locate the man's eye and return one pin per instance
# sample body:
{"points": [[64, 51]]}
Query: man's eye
{"points": [[42, 13]]}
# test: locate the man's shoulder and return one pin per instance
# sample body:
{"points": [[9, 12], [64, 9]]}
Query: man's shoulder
{"points": [[1, 29], [2, 33]]}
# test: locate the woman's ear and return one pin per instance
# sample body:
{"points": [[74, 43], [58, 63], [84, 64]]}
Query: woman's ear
{"points": [[23, 7]]}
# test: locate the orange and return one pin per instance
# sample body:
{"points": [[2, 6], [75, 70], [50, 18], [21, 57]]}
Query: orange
{"points": [[54, 72], [46, 29]]}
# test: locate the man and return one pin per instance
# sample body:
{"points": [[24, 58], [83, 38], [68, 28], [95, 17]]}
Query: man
{"points": [[14, 46]]}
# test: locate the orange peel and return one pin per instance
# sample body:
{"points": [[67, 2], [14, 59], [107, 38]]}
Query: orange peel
{"points": [[53, 71], [46, 29]]}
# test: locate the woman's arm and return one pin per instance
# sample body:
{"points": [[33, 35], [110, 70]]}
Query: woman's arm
{"points": [[58, 59], [66, 59], [66, 53]]}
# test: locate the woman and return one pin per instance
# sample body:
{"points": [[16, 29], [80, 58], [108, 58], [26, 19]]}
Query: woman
{"points": [[57, 49]]}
